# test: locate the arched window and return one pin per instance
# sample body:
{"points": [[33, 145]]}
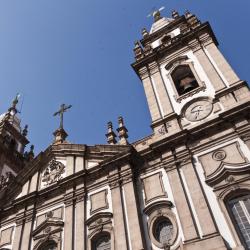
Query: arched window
{"points": [[49, 245], [102, 242], [184, 79], [163, 230], [240, 211]]}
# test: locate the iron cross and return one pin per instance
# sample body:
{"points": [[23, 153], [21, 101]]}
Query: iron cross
{"points": [[60, 112]]}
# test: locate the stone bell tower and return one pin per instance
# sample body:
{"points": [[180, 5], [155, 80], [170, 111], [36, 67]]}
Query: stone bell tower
{"points": [[187, 81], [12, 144]]}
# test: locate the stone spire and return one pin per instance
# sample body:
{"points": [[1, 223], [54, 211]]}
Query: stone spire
{"points": [[122, 132], [111, 135]]}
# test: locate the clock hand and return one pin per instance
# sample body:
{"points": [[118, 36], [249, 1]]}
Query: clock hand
{"points": [[195, 111]]}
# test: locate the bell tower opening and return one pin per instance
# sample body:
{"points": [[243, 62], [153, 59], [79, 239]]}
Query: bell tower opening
{"points": [[184, 79]]}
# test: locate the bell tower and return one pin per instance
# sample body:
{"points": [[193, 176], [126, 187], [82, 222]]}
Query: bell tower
{"points": [[187, 81], [12, 144]]}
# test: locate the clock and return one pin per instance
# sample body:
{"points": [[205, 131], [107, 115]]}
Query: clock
{"points": [[198, 110]]}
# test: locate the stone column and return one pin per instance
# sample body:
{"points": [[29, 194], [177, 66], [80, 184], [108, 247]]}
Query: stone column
{"points": [[135, 230], [79, 220], [150, 95], [209, 69], [222, 64], [182, 206], [201, 207], [68, 224], [119, 220]]}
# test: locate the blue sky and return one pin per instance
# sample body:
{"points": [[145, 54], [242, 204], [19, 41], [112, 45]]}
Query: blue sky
{"points": [[79, 52]]}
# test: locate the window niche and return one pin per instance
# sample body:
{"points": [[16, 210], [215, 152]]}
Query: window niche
{"points": [[239, 210], [100, 236], [162, 225], [101, 241], [49, 245], [184, 78]]}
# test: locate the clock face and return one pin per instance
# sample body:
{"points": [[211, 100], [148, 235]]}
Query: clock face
{"points": [[198, 110]]}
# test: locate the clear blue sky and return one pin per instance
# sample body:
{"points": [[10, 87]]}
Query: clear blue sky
{"points": [[79, 52]]}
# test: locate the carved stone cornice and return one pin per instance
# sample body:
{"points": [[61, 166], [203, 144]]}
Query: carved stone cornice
{"points": [[143, 73], [153, 67]]}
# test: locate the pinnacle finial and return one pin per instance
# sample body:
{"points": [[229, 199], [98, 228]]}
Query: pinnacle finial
{"points": [[144, 32], [14, 104], [111, 136], [175, 14], [122, 131], [25, 130]]}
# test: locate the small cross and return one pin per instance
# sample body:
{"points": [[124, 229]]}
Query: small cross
{"points": [[60, 112]]}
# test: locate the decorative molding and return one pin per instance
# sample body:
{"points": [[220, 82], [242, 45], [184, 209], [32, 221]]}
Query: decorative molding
{"points": [[157, 206], [219, 155], [176, 62], [99, 204], [149, 197]]}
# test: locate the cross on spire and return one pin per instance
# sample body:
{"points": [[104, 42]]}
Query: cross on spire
{"points": [[60, 112]]}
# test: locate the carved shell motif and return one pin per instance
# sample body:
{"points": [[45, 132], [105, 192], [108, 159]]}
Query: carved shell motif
{"points": [[53, 173]]}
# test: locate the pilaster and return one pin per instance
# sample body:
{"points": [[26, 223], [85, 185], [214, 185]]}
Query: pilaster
{"points": [[150, 95], [70, 165], [135, 229], [193, 187], [26, 237], [222, 64], [18, 236], [164, 100], [208, 67], [118, 213], [182, 206], [79, 221], [69, 222]]}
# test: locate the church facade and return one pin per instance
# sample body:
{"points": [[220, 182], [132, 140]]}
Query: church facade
{"points": [[185, 187]]}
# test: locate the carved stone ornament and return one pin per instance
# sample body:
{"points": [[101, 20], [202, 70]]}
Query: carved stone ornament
{"points": [[219, 155], [53, 173], [5, 179], [162, 130]]}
